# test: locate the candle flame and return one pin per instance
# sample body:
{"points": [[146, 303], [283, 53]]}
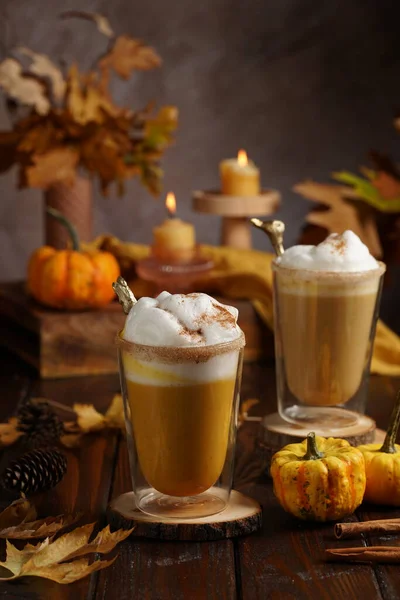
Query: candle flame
{"points": [[242, 158], [170, 203]]}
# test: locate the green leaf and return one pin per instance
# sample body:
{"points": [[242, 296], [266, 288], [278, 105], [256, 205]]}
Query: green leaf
{"points": [[368, 192]]}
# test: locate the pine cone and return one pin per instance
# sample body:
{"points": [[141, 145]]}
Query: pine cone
{"points": [[39, 423], [35, 471]]}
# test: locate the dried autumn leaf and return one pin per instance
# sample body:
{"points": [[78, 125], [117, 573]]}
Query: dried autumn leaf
{"points": [[9, 433], [24, 88], [17, 512], [150, 177], [104, 542], [340, 214], [103, 153], [86, 101], [388, 187], [129, 54], [159, 129], [115, 413], [43, 560], [103, 24], [55, 166], [245, 407], [38, 529], [88, 418], [40, 138], [44, 67], [66, 572]]}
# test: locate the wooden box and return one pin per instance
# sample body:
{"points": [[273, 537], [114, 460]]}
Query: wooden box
{"points": [[65, 343]]}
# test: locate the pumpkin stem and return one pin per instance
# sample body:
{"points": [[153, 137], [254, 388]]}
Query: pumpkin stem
{"points": [[312, 451], [67, 224], [388, 445]]}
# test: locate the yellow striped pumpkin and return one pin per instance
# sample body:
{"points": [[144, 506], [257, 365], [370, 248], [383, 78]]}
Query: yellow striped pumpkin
{"points": [[319, 479]]}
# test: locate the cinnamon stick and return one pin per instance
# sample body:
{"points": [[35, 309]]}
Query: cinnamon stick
{"points": [[378, 554], [346, 530]]}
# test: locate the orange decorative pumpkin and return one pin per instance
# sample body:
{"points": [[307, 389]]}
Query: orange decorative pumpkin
{"points": [[71, 279]]}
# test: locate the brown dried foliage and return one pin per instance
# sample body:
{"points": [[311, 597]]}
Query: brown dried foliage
{"points": [[75, 123], [47, 559]]}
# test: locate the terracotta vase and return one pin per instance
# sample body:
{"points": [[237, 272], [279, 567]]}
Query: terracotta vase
{"points": [[76, 203]]}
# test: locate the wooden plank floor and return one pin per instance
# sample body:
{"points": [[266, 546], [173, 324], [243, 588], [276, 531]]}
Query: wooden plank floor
{"points": [[283, 561]]}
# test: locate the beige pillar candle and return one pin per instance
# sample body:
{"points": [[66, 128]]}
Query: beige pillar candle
{"points": [[239, 176], [174, 240]]}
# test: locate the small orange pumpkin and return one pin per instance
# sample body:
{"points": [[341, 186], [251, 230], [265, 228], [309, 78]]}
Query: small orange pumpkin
{"points": [[71, 279]]}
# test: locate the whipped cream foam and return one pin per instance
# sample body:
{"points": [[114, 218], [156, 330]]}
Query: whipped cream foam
{"points": [[181, 320], [178, 321], [338, 253]]}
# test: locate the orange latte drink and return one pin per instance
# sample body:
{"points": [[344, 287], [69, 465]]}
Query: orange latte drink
{"points": [[181, 396], [326, 304]]}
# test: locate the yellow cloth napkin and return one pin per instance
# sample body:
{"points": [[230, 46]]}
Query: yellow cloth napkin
{"points": [[247, 274]]}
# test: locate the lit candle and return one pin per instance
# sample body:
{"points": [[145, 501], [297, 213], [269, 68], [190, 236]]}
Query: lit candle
{"points": [[174, 239], [239, 176]]}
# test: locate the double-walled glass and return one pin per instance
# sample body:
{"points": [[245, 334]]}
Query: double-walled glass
{"points": [[324, 331], [181, 406]]}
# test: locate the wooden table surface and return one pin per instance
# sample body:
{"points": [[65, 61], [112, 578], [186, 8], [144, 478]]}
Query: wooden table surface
{"points": [[283, 561]]}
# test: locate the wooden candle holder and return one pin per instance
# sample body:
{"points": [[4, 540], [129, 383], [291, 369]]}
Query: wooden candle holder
{"points": [[235, 212]]}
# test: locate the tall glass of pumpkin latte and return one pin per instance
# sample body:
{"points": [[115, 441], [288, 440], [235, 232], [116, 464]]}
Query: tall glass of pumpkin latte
{"points": [[180, 362], [326, 301]]}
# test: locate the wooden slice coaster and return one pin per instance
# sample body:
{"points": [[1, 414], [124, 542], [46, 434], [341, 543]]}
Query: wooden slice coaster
{"points": [[275, 433], [278, 432], [242, 516]]}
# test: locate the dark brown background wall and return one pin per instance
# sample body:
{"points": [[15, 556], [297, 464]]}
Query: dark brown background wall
{"points": [[305, 86]]}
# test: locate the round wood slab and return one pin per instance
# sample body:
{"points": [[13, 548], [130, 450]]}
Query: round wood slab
{"points": [[279, 432], [242, 516]]}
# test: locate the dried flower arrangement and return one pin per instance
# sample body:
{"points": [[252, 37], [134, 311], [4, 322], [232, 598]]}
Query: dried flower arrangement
{"points": [[73, 122]]}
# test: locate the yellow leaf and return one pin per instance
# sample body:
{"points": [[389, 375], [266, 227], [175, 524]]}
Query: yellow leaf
{"points": [[115, 413], [23, 88], [43, 560], [66, 572], [40, 138], [64, 547], [55, 166], [103, 543], [43, 67], [245, 407], [17, 512], [15, 558], [129, 54], [89, 419], [38, 529], [103, 153], [9, 433], [86, 101]]}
